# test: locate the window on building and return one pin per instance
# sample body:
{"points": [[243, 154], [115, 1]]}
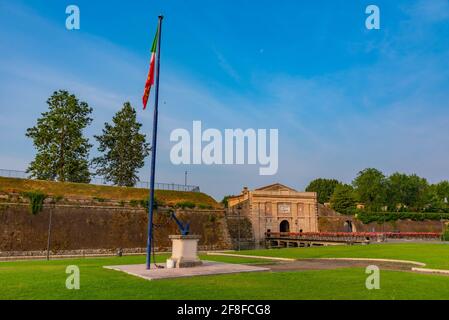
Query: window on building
{"points": [[268, 210]]}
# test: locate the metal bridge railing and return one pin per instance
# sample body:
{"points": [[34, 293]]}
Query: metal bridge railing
{"points": [[351, 236], [101, 181]]}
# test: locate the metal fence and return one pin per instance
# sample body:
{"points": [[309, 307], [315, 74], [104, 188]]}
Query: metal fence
{"points": [[101, 181]]}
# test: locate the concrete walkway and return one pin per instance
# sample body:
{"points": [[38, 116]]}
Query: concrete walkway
{"points": [[225, 254], [208, 268]]}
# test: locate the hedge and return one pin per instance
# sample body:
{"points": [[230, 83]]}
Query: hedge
{"points": [[379, 217]]}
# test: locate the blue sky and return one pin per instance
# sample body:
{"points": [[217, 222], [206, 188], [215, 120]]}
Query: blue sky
{"points": [[343, 97]]}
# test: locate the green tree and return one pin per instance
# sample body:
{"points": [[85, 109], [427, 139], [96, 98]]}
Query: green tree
{"points": [[343, 200], [407, 191], [224, 202], [433, 202], [436, 197], [62, 150], [323, 187], [442, 190], [371, 188], [124, 148]]}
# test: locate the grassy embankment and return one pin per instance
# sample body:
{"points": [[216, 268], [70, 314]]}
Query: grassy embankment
{"points": [[89, 191]]}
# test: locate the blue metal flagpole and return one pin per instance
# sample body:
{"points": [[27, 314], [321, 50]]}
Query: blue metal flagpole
{"points": [[153, 148]]}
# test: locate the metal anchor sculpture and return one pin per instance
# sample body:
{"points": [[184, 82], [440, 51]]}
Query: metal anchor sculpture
{"points": [[183, 228]]}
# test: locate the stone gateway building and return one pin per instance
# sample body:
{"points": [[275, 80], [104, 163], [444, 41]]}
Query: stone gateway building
{"points": [[277, 208]]}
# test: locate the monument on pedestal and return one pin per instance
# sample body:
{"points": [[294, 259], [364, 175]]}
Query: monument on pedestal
{"points": [[184, 247], [184, 251]]}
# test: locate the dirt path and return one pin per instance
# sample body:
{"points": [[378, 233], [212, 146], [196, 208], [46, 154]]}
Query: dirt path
{"points": [[328, 264]]}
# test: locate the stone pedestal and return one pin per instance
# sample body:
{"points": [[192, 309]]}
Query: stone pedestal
{"points": [[185, 251]]}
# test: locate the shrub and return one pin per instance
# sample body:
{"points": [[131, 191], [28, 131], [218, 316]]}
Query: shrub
{"points": [[146, 203], [446, 235], [134, 203], [185, 205], [224, 202], [36, 201]]}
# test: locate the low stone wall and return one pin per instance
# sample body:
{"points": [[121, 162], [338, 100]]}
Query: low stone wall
{"points": [[82, 227], [6, 255]]}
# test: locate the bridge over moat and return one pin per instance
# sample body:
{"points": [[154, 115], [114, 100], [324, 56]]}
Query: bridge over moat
{"points": [[286, 239], [309, 239]]}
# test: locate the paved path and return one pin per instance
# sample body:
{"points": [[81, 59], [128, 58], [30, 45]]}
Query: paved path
{"points": [[288, 264], [330, 264]]}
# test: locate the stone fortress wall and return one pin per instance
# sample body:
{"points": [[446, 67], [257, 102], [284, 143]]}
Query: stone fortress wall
{"points": [[91, 225]]}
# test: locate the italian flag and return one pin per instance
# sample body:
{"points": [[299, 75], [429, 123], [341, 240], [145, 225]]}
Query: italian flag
{"points": [[150, 78]]}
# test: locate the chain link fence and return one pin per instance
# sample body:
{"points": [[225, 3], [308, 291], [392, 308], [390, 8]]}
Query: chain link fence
{"points": [[101, 181]]}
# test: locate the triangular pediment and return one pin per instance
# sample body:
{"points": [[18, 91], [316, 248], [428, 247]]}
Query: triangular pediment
{"points": [[276, 187]]}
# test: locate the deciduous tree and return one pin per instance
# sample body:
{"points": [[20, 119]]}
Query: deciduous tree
{"points": [[407, 190], [323, 187], [62, 150], [343, 200], [371, 187]]}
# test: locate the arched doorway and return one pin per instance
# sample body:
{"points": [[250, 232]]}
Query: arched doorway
{"points": [[348, 226], [284, 226]]}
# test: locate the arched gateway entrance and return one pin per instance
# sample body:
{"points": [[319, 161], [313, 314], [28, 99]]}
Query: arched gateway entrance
{"points": [[348, 226], [284, 226]]}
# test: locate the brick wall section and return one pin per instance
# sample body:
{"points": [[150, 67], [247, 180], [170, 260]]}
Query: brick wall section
{"points": [[236, 223]]}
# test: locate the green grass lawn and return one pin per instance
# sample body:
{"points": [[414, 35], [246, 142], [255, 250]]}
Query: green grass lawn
{"points": [[46, 280]]}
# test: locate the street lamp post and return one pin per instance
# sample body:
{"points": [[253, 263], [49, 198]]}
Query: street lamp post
{"points": [[238, 228]]}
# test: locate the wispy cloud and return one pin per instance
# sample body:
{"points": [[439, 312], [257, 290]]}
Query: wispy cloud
{"points": [[226, 66], [428, 11]]}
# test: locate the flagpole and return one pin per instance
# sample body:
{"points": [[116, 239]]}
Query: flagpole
{"points": [[153, 148]]}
